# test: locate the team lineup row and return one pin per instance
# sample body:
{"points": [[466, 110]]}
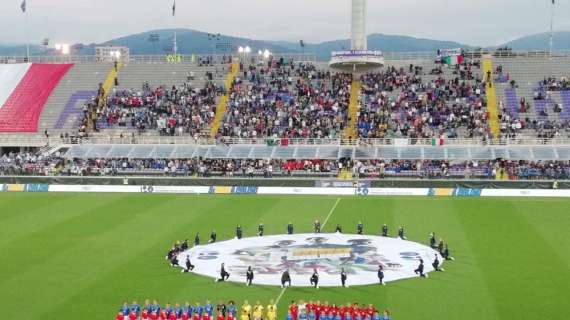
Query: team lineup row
{"points": [[296, 311]]}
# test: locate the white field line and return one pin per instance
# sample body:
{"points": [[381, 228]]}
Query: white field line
{"points": [[330, 213], [323, 226]]}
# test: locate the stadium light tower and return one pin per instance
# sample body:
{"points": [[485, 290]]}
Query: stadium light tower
{"points": [[358, 58], [358, 30]]}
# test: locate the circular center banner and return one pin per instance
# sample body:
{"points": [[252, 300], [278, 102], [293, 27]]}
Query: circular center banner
{"points": [[270, 256]]}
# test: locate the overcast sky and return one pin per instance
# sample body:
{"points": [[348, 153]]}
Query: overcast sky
{"points": [[474, 22]]}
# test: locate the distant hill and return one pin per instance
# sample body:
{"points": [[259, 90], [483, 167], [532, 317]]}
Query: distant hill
{"points": [[192, 41], [18, 50], [541, 41]]}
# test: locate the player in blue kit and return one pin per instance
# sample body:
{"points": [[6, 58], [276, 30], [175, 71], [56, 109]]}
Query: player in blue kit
{"points": [[232, 309], [198, 309], [125, 309], [136, 308], [155, 307], [209, 308]]}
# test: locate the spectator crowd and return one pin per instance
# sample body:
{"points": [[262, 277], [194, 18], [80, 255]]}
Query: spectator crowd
{"points": [[400, 103], [56, 165], [286, 99]]}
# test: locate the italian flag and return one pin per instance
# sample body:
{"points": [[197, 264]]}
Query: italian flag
{"points": [[453, 60], [437, 141]]}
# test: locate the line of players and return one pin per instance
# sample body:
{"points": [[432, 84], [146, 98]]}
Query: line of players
{"points": [[440, 246], [184, 245], [318, 311], [221, 311], [208, 311]]}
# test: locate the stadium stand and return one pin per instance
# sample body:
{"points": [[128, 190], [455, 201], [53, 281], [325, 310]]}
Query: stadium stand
{"points": [[533, 97], [287, 99], [10, 77], [22, 110], [63, 108], [411, 98], [405, 102]]}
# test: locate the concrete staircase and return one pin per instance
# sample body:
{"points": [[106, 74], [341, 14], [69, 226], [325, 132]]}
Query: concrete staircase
{"points": [[492, 105], [351, 130], [222, 104]]}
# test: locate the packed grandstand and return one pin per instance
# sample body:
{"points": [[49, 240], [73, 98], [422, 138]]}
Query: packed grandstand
{"points": [[280, 101]]}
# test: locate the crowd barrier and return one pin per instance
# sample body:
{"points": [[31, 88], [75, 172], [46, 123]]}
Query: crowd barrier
{"points": [[359, 191]]}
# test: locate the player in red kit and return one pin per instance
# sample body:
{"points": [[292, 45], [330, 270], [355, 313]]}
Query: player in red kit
{"points": [[185, 315], [196, 316], [120, 316], [133, 316], [370, 311], [318, 309], [231, 316], [342, 311], [326, 309], [334, 309], [206, 316], [363, 312], [310, 306], [163, 315], [144, 314], [172, 316], [294, 310], [220, 316], [350, 309], [154, 316]]}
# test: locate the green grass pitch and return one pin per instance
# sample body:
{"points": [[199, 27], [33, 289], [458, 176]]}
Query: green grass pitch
{"points": [[79, 256]]}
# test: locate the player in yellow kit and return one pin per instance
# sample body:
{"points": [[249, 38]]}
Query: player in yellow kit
{"points": [[257, 311], [271, 311], [245, 311]]}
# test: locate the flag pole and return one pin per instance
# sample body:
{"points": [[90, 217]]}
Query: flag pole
{"points": [[175, 48], [27, 33], [552, 27]]}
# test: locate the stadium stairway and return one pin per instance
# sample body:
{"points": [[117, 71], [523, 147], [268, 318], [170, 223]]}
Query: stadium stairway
{"points": [[492, 107], [22, 110], [351, 130], [345, 174], [63, 108], [111, 76], [222, 104]]}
